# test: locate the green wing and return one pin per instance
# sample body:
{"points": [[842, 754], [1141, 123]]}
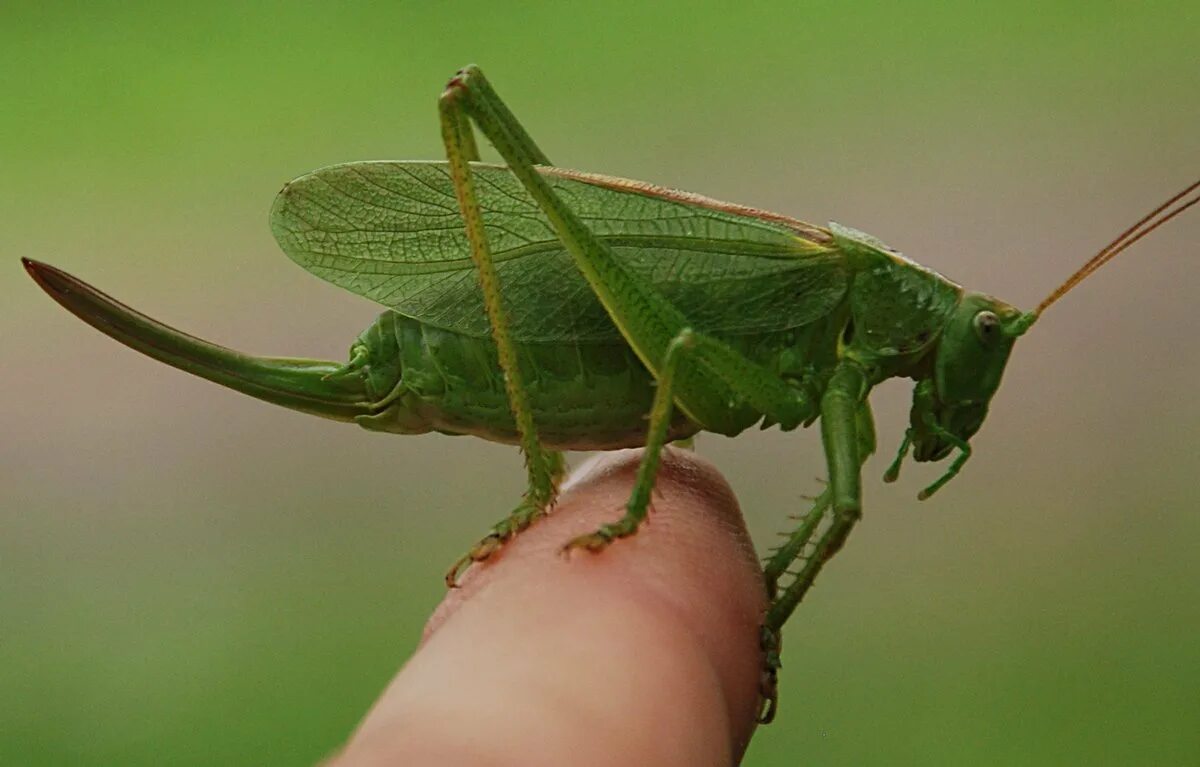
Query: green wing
{"points": [[391, 231]]}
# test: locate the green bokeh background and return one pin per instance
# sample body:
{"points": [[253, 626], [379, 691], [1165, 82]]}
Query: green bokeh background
{"points": [[191, 577]]}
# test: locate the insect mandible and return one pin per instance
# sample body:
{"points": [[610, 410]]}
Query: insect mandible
{"points": [[561, 310]]}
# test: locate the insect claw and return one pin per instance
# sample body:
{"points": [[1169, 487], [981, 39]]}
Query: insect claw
{"points": [[594, 542], [456, 570], [770, 698]]}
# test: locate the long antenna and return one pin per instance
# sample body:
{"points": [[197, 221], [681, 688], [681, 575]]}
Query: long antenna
{"points": [[1143, 227]]}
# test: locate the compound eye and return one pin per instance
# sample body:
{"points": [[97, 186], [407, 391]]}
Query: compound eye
{"points": [[987, 326]]}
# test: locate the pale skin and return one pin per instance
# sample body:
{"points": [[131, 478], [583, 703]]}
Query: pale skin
{"points": [[646, 655]]}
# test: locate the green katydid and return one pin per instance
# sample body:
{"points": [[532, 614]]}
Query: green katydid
{"points": [[562, 310]]}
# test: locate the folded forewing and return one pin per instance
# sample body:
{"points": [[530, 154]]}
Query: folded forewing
{"points": [[391, 231]]}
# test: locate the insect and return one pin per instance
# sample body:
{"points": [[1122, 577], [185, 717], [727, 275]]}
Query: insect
{"points": [[561, 310]]}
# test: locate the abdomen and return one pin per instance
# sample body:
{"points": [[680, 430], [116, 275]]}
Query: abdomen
{"points": [[584, 396]]}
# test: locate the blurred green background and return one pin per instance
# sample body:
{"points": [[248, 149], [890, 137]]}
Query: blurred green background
{"points": [[190, 577]]}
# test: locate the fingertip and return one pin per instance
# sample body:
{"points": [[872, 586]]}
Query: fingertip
{"points": [[653, 641]]}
